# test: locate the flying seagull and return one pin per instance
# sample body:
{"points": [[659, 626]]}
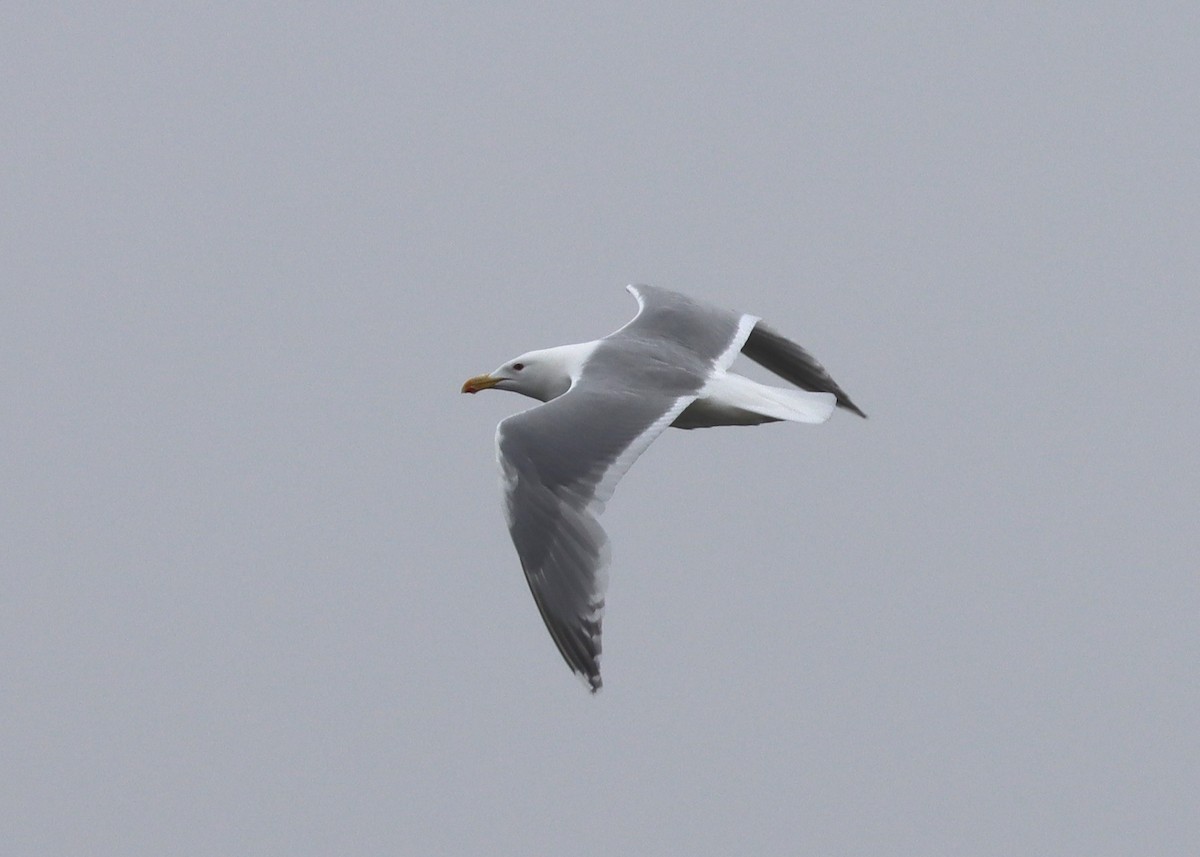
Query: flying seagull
{"points": [[605, 402]]}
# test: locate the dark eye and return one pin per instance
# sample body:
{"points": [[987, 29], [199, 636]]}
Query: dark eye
{"points": [[517, 367]]}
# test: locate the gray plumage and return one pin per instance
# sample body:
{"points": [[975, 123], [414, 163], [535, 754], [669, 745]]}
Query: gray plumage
{"points": [[605, 402]]}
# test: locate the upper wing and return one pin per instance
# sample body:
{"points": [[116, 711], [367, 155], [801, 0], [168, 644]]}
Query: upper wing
{"points": [[700, 336], [560, 462], [789, 361]]}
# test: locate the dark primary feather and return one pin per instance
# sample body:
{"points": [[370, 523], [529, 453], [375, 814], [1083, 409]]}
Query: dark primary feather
{"points": [[789, 361]]}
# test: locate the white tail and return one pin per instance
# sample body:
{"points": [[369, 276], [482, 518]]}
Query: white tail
{"points": [[734, 400]]}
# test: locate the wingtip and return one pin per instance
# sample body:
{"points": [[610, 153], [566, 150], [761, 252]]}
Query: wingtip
{"points": [[591, 673], [591, 679], [852, 408]]}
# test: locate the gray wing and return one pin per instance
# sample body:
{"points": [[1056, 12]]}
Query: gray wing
{"points": [[700, 335], [559, 463], [789, 361]]}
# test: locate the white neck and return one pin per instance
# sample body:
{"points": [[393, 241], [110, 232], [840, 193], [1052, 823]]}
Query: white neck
{"points": [[560, 367]]}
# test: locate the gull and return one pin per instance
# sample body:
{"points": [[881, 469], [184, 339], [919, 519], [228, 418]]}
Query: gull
{"points": [[605, 402]]}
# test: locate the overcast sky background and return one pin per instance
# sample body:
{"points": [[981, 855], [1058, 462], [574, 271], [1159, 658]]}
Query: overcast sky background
{"points": [[257, 596]]}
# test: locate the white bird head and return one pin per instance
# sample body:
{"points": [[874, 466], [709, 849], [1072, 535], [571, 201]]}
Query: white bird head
{"points": [[544, 375]]}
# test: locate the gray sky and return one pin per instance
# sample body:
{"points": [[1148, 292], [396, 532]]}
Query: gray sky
{"points": [[257, 593]]}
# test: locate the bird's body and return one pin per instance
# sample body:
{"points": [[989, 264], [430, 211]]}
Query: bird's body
{"points": [[604, 402], [726, 399]]}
